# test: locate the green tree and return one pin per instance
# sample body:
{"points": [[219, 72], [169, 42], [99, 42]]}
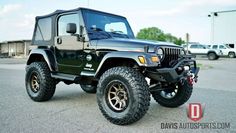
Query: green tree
{"points": [[156, 34], [179, 41]]}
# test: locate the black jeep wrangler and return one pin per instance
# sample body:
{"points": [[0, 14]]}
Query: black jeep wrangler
{"points": [[98, 50]]}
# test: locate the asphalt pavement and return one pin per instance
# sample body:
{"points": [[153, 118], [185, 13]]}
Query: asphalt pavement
{"points": [[72, 110]]}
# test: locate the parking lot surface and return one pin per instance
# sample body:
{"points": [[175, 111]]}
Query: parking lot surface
{"points": [[72, 110]]}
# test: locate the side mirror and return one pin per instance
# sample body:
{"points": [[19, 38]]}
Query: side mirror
{"points": [[71, 28]]}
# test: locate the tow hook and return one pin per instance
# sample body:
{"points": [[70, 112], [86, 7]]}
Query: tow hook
{"points": [[190, 80]]}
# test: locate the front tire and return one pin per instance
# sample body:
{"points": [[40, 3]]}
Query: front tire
{"points": [[122, 95], [40, 86], [173, 96]]}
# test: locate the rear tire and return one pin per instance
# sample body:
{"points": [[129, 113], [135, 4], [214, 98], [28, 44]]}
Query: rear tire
{"points": [[40, 86], [89, 88], [122, 95], [212, 56], [182, 94]]}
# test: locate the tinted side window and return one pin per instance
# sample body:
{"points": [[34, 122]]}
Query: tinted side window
{"points": [[64, 20], [193, 46], [43, 30], [222, 47], [214, 46], [201, 47]]}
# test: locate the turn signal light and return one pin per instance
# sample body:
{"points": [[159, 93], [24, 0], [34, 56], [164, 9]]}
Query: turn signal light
{"points": [[155, 59], [142, 60]]}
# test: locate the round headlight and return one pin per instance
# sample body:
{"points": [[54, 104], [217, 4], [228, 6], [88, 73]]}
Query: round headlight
{"points": [[160, 53], [182, 52]]}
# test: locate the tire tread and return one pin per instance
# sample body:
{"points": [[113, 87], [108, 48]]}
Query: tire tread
{"points": [[48, 83], [139, 84], [182, 96]]}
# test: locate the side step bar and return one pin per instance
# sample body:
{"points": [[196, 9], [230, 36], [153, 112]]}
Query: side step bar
{"points": [[65, 76]]}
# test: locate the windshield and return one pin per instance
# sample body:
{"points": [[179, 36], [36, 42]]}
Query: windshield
{"points": [[102, 25]]}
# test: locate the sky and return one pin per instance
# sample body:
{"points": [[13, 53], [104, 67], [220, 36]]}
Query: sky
{"points": [[178, 17]]}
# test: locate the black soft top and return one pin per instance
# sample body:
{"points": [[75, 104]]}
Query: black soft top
{"points": [[52, 16], [76, 9]]}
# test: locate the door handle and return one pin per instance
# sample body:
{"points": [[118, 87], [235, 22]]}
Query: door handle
{"points": [[59, 40]]}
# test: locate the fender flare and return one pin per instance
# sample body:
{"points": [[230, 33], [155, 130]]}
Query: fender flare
{"points": [[128, 55], [47, 55]]}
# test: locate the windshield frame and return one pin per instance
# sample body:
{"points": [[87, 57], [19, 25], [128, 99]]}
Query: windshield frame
{"points": [[130, 33]]}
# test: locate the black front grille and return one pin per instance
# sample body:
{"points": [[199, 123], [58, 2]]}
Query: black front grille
{"points": [[171, 56]]}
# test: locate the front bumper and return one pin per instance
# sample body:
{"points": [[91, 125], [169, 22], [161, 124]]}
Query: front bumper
{"points": [[175, 74]]}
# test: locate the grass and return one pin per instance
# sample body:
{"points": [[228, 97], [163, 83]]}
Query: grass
{"points": [[202, 66]]}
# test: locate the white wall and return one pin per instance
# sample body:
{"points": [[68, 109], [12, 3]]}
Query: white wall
{"points": [[15, 48], [224, 27]]}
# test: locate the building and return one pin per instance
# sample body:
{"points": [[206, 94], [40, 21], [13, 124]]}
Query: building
{"points": [[223, 29], [17, 48]]}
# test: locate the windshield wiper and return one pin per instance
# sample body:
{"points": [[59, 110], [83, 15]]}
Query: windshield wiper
{"points": [[120, 33], [98, 33]]}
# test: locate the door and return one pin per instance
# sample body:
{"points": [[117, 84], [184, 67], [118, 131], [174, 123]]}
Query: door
{"points": [[194, 49], [224, 50], [202, 49], [68, 48]]}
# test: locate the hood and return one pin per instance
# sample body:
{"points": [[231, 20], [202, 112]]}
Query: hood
{"points": [[122, 44]]}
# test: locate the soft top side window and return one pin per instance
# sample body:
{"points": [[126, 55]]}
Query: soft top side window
{"points": [[44, 29]]}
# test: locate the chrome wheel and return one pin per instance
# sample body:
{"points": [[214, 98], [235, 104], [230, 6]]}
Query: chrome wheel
{"points": [[231, 55], [35, 82], [117, 96]]}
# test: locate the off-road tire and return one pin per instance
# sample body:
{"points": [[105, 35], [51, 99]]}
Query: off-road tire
{"points": [[47, 84], [231, 55], [89, 88], [183, 94], [212, 56], [138, 95]]}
